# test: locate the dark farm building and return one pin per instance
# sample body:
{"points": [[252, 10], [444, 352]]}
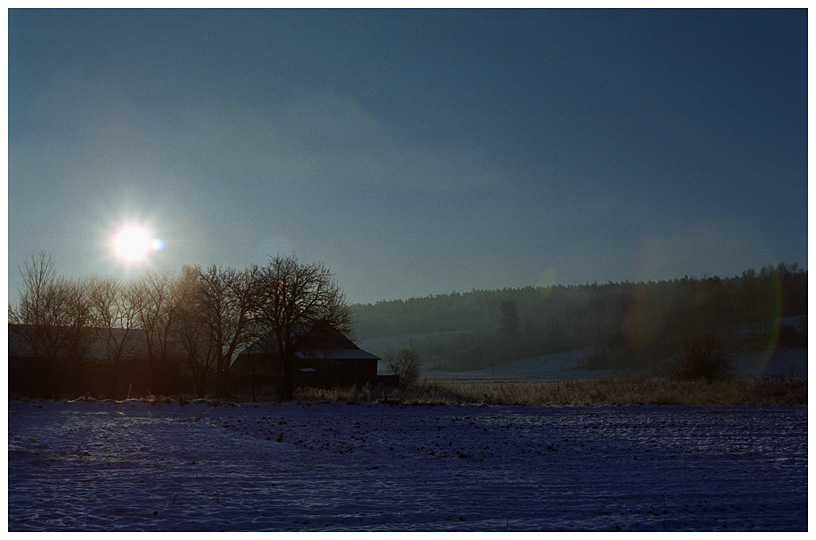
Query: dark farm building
{"points": [[326, 358], [65, 363]]}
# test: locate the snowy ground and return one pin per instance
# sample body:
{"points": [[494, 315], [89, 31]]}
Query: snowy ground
{"points": [[780, 362], [550, 367], [135, 466]]}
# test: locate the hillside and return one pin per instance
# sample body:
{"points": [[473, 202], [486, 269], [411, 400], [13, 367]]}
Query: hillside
{"points": [[631, 323]]}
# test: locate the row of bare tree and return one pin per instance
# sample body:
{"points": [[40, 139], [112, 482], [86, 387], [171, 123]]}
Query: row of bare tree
{"points": [[205, 316]]}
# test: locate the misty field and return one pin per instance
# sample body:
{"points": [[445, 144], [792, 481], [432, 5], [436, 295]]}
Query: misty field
{"points": [[320, 466]]}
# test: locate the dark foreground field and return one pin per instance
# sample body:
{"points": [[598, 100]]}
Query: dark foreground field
{"points": [[133, 466]]}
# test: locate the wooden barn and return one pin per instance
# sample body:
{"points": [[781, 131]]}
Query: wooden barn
{"points": [[327, 358]]}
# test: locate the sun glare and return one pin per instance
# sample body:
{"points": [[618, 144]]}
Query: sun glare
{"points": [[133, 244]]}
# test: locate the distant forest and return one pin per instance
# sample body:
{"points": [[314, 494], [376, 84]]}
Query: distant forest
{"points": [[631, 325]]}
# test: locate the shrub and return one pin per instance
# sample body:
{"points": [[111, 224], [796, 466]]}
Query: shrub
{"points": [[705, 356], [405, 364]]}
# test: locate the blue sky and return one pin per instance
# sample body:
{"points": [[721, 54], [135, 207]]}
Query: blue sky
{"points": [[413, 152]]}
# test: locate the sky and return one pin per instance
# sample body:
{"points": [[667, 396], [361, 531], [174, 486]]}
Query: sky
{"points": [[412, 152]]}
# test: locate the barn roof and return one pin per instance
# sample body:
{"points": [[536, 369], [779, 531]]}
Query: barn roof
{"points": [[326, 342], [136, 344], [336, 354]]}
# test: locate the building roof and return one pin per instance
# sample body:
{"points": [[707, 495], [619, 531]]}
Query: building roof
{"points": [[336, 354], [136, 344], [325, 342]]}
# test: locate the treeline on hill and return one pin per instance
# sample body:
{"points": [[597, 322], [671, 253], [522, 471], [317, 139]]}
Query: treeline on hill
{"points": [[631, 325]]}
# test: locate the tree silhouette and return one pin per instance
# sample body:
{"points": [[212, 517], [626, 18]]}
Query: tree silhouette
{"points": [[292, 298], [54, 319], [405, 364], [226, 298], [115, 314]]}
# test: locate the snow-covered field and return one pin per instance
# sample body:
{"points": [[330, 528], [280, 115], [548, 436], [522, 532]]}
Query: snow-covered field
{"points": [[563, 366], [567, 365], [301, 467]]}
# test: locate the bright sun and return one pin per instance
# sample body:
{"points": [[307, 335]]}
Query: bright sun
{"points": [[134, 243]]}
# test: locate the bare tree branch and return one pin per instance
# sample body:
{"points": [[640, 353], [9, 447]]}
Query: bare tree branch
{"points": [[292, 298]]}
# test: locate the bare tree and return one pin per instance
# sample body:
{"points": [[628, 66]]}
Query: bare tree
{"points": [[156, 310], [115, 312], [81, 331], [293, 297], [44, 314], [405, 364], [192, 330], [226, 298], [705, 356]]}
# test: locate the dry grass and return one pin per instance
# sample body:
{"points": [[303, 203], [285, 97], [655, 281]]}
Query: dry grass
{"points": [[578, 393]]}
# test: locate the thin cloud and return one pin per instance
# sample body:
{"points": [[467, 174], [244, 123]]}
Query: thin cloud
{"points": [[317, 139], [329, 139]]}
